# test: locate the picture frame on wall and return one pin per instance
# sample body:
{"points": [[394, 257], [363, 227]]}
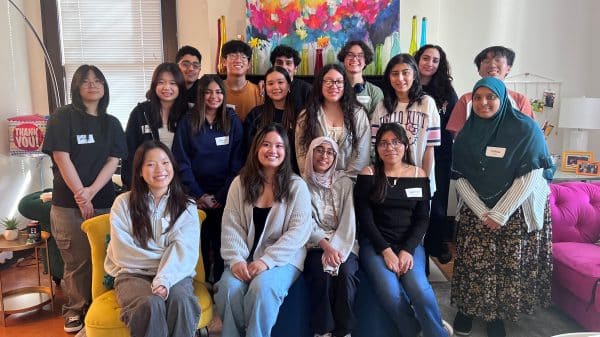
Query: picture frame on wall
{"points": [[570, 159], [587, 168]]}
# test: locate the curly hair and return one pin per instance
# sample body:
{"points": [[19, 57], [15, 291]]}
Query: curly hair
{"points": [[348, 103], [441, 81], [415, 93], [365, 48]]}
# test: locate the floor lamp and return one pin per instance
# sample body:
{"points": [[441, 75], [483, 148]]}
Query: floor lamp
{"points": [[579, 114]]}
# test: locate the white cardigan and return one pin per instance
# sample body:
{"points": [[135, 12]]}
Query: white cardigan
{"points": [[287, 228]]}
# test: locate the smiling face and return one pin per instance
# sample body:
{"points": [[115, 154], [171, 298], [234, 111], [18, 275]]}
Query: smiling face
{"points": [[496, 66], [286, 63], [401, 78], [354, 62], [323, 157], [237, 64], [91, 89], [333, 86], [166, 87], [190, 67], [277, 86], [213, 96], [390, 148], [157, 171], [429, 63], [271, 151], [485, 103]]}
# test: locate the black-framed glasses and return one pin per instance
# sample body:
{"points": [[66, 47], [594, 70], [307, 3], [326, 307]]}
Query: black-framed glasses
{"points": [[359, 56], [394, 144], [324, 152], [331, 83]]}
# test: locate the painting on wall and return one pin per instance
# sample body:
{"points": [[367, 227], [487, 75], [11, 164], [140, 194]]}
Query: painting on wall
{"points": [[309, 25]]}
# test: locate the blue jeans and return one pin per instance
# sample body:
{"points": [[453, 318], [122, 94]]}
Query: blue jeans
{"points": [[251, 309], [394, 293]]}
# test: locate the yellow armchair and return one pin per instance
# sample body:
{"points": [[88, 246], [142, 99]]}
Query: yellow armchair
{"points": [[102, 319]]}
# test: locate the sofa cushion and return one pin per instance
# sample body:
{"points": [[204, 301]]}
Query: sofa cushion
{"points": [[575, 212], [577, 268]]}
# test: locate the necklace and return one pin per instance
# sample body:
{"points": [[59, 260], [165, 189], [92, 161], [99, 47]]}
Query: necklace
{"points": [[393, 183]]}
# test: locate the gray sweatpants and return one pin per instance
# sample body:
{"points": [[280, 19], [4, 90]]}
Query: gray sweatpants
{"points": [[148, 315]]}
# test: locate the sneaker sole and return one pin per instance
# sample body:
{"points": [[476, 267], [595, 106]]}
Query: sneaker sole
{"points": [[73, 329], [461, 333]]}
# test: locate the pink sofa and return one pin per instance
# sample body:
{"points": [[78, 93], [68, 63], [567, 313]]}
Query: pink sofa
{"points": [[575, 230]]}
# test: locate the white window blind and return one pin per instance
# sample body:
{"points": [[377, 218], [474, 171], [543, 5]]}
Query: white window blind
{"points": [[123, 38]]}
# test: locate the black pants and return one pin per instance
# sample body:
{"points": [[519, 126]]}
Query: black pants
{"points": [[332, 297], [438, 219], [210, 239]]}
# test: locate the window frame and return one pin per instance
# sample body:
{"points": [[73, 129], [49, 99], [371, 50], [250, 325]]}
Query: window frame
{"points": [[51, 36]]}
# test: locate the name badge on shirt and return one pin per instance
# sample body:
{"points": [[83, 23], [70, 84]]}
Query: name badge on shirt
{"points": [[85, 139], [146, 129], [231, 106], [364, 99], [415, 192], [495, 152], [222, 140]]}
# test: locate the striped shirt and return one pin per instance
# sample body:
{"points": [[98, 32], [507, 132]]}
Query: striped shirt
{"points": [[529, 191]]}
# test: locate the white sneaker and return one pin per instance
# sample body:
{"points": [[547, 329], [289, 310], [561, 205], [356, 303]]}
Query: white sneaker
{"points": [[73, 324], [448, 328], [324, 335]]}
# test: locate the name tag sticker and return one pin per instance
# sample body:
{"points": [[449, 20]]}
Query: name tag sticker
{"points": [[415, 192], [146, 128], [231, 106], [222, 140], [495, 152], [85, 139], [364, 99]]}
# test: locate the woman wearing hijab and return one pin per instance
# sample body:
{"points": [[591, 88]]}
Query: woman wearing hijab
{"points": [[504, 264], [332, 259]]}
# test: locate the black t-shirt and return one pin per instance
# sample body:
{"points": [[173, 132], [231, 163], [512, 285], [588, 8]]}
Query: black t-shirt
{"points": [[89, 140]]}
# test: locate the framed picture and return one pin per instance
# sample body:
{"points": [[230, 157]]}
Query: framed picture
{"points": [[587, 168], [570, 158]]}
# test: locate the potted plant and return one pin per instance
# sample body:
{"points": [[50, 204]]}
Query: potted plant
{"points": [[11, 228]]}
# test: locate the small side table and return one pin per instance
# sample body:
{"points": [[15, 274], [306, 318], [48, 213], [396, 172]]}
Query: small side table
{"points": [[561, 176], [26, 298]]}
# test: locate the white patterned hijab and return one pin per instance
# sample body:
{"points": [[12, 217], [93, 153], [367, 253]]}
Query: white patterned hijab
{"points": [[320, 179]]}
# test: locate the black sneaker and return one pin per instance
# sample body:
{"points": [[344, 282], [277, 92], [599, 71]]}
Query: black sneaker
{"points": [[445, 255], [495, 328], [463, 324], [73, 324]]}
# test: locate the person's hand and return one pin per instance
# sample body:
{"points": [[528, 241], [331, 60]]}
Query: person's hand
{"points": [[491, 224], [256, 267], [406, 262], [86, 209], [240, 271], [206, 201], [391, 260], [84, 195], [332, 256], [160, 291]]}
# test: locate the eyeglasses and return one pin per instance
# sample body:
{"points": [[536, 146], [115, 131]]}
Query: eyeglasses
{"points": [[330, 83], [188, 64], [322, 152], [394, 144], [351, 56], [95, 83], [237, 56]]}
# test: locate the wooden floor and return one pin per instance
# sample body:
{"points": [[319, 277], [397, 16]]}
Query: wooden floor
{"points": [[46, 323]]}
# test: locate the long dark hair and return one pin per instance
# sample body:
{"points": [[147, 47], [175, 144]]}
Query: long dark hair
{"points": [[138, 199], [380, 188], [348, 103], [252, 175], [415, 93], [441, 81], [198, 117], [77, 81], [179, 106], [289, 115]]}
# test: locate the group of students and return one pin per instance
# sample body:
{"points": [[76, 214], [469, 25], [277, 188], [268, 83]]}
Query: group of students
{"points": [[296, 178]]}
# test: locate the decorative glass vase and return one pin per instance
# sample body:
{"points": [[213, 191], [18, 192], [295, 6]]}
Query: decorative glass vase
{"points": [[318, 61]]}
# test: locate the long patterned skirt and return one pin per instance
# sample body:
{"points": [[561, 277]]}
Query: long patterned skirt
{"points": [[499, 274]]}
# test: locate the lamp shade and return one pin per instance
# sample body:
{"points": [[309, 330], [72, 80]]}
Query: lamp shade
{"points": [[579, 113]]}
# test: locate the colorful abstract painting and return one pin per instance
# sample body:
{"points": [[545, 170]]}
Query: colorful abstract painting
{"points": [[330, 23]]}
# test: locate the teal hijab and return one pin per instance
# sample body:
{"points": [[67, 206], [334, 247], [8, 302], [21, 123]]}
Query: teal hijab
{"points": [[491, 153]]}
